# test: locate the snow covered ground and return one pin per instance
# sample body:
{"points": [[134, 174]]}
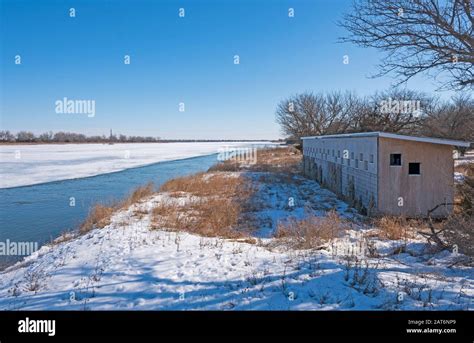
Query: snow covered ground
{"points": [[22, 165], [466, 159], [128, 266], [459, 177]]}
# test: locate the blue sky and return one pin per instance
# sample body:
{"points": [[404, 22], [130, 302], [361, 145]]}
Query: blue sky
{"points": [[173, 60]]}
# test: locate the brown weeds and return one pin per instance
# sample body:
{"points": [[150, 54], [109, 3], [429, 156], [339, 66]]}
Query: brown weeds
{"points": [[275, 160], [100, 215], [216, 209], [395, 228], [311, 231]]}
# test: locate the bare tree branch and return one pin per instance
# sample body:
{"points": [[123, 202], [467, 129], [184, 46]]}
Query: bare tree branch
{"points": [[419, 36]]}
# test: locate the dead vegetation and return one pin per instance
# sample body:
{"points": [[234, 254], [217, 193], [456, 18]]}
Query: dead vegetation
{"points": [[207, 184], [216, 208], [459, 234], [465, 191], [459, 228], [395, 228], [100, 215], [456, 233], [138, 195], [310, 232], [221, 201], [274, 160], [464, 168]]}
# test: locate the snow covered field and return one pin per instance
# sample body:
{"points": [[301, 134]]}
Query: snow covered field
{"points": [[22, 165], [126, 265]]}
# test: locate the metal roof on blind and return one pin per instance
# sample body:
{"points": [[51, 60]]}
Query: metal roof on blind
{"points": [[395, 136]]}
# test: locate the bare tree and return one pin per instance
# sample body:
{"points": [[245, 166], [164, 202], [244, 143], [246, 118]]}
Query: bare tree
{"points": [[316, 114], [394, 110], [25, 136], [6, 136], [418, 36], [454, 119], [46, 137]]}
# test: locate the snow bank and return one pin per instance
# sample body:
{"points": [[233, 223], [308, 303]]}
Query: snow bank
{"points": [[128, 266]]}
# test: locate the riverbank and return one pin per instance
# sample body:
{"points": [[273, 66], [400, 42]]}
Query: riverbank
{"points": [[240, 236]]}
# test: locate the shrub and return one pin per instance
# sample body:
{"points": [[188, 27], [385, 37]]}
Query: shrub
{"points": [[459, 232], [311, 231], [393, 228]]}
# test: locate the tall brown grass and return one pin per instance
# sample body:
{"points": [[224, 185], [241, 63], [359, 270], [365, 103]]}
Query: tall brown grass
{"points": [[137, 195], [210, 217], [208, 184], [100, 214], [311, 231], [395, 228], [216, 210], [276, 160]]}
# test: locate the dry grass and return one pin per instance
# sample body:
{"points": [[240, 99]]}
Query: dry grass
{"points": [[207, 184], [276, 160], [210, 217], [225, 201], [311, 231], [218, 210], [100, 215], [396, 228], [63, 237], [217, 217], [138, 195], [465, 169]]}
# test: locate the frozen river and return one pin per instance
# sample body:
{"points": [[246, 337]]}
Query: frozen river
{"points": [[22, 165], [88, 174]]}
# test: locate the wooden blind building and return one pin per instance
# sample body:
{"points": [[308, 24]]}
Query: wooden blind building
{"points": [[385, 173]]}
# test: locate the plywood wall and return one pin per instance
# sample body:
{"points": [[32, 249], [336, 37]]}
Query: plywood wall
{"points": [[418, 193]]}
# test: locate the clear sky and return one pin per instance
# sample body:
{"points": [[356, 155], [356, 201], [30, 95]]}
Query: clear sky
{"points": [[174, 60]]}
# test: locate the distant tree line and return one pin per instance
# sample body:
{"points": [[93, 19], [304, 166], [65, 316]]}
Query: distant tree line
{"points": [[396, 111], [70, 137]]}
